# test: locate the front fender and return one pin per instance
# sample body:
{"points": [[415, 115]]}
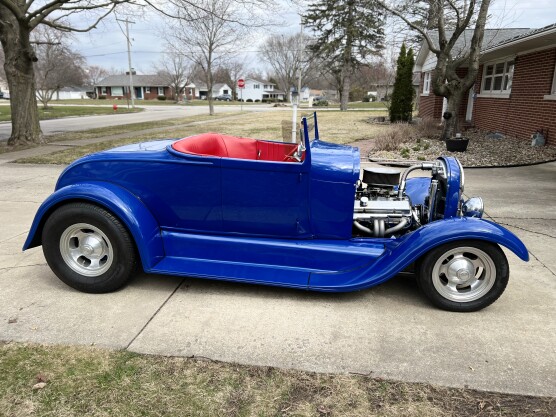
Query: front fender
{"points": [[124, 205], [402, 252]]}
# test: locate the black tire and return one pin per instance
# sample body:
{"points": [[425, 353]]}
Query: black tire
{"points": [[108, 237], [439, 275]]}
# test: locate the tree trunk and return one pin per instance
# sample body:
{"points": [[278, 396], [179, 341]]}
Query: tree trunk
{"points": [[451, 125], [18, 66], [346, 85]]}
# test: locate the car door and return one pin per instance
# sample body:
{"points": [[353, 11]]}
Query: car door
{"points": [[265, 198]]}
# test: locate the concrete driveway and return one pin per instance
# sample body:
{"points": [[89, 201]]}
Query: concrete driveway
{"points": [[389, 331], [150, 114]]}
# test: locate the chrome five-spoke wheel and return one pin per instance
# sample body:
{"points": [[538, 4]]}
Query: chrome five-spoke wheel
{"points": [[86, 249], [464, 274]]}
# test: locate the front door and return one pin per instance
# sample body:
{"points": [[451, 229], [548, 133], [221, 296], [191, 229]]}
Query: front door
{"points": [[265, 198], [138, 92]]}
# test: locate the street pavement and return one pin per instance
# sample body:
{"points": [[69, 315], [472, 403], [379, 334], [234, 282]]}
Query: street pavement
{"points": [[389, 331], [150, 114]]}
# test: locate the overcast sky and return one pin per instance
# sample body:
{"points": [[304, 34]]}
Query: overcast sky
{"points": [[106, 46]]}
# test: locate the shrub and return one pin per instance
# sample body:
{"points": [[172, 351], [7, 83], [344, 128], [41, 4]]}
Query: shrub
{"points": [[428, 128], [393, 137], [401, 103], [161, 98], [320, 103], [102, 97], [249, 100], [366, 99], [257, 100]]}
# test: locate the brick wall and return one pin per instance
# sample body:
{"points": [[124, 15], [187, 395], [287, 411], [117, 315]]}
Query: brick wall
{"points": [[430, 107], [525, 110], [152, 95]]}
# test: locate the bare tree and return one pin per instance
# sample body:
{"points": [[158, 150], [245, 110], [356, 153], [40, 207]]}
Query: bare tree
{"points": [[18, 19], [209, 33], [229, 72], [57, 66], [288, 56], [176, 71], [449, 57], [95, 74]]}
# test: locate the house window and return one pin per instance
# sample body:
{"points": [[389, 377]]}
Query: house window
{"points": [[497, 77], [256, 86], [160, 91], [147, 89], [103, 91], [117, 91], [426, 83]]}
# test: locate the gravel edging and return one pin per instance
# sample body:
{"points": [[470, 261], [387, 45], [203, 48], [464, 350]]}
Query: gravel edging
{"points": [[483, 151]]}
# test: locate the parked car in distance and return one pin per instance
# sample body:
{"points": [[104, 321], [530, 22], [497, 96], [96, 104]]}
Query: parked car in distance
{"points": [[293, 215], [224, 97]]}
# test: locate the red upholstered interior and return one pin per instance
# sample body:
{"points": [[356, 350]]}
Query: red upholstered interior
{"points": [[215, 144]]}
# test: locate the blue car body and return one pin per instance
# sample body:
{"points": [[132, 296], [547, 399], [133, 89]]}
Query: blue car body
{"points": [[266, 222]]}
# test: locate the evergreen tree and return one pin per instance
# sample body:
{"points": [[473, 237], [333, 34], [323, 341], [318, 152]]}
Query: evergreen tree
{"points": [[347, 31], [401, 105]]}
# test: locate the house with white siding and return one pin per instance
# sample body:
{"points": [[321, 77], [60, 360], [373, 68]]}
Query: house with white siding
{"points": [[256, 90]]}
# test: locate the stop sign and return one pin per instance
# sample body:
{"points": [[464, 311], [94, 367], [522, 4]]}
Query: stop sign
{"points": [[241, 83]]}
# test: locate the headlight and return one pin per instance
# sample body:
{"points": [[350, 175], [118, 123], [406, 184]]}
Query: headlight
{"points": [[473, 207]]}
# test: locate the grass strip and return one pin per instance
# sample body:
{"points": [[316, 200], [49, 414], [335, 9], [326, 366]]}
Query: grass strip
{"points": [[87, 381]]}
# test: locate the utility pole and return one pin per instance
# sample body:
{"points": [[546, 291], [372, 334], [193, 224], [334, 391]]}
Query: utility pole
{"points": [[131, 89], [296, 98]]}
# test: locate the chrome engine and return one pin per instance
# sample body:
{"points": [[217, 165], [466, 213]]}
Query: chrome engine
{"points": [[383, 209]]}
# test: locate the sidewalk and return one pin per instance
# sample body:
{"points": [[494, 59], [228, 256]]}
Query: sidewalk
{"points": [[389, 331]]}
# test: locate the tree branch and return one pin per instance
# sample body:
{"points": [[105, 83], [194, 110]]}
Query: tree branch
{"points": [[432, 47], [65, 28]]}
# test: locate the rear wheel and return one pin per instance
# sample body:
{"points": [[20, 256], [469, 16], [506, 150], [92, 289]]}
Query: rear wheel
{"points": [[88, 248], [464, 276]]}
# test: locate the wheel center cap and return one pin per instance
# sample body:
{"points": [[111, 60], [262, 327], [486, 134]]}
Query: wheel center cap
{"points": [[88, 250], [463, 274]]}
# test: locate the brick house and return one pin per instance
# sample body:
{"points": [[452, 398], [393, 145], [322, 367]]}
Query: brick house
{"points": [[147, 87], [515, 90]]}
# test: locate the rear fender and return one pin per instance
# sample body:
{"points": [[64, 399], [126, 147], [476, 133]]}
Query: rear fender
{"points": [[120, 202], [400, 253]]}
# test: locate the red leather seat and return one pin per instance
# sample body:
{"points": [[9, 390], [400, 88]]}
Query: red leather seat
{"points": [[215, 144], [208, 144]]}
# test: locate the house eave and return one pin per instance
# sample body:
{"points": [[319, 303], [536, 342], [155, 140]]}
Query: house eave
{"points": [[536, 42]]}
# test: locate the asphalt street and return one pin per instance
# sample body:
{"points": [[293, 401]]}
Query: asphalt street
{"points": [[150, 114], [389, 331]]}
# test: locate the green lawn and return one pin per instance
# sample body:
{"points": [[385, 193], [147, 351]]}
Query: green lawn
{"points": [[86, 381], [56, 112]]}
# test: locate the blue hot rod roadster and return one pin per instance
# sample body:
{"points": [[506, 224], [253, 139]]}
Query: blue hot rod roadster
{"points": [[301, 216]]}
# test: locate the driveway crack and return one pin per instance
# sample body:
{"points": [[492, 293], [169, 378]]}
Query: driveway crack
{"points": [[155, 313]]}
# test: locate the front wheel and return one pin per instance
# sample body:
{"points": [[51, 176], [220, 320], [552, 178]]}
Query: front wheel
{"points": [[464, 276], [88, 248]]}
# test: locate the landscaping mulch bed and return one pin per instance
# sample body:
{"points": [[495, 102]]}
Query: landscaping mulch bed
{"points": [[481, 152]]}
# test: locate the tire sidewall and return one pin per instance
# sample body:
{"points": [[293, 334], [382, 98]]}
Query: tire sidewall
{"points": [[501, 280], [123, 253]]}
